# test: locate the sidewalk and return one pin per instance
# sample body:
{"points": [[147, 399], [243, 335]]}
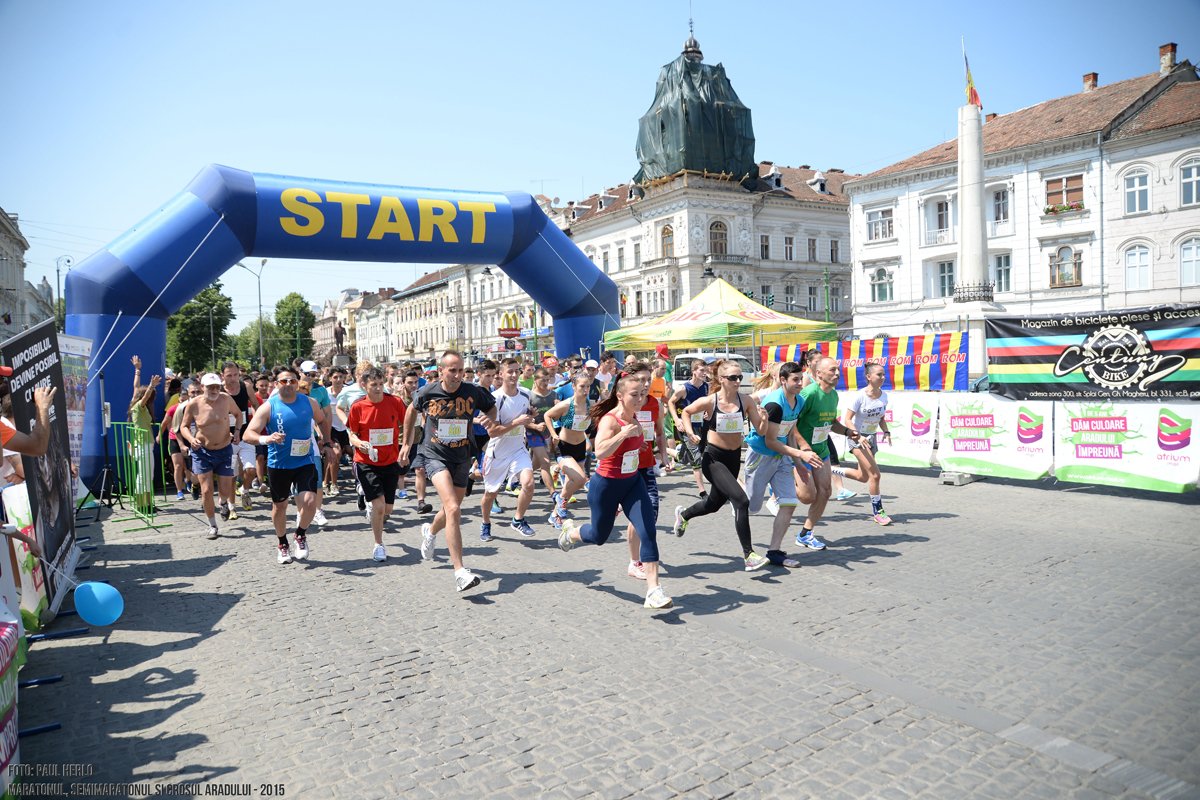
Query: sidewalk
{"points": [[1000, 640]]}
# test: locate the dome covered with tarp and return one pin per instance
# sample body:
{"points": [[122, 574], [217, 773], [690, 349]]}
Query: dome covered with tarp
{"points": [[696, 123]]}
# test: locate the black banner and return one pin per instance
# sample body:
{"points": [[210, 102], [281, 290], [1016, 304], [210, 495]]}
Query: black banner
{"points": [[1131, 354], [34, 359]]}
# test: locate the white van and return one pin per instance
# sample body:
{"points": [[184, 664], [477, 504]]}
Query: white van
{"points": [[681, 366]]}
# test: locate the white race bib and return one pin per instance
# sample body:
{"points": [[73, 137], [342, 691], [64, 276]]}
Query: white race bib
{"points": [[646, 420], [868, 427], [380, 437], [629, 462], [786, 426], [821, 433], [301, 447], [581, 423], [515, 433], [451, 430], [729, 423], [697, 418]]}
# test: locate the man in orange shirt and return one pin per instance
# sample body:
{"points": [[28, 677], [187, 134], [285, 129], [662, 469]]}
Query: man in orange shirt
{"points": [[373, 426]]}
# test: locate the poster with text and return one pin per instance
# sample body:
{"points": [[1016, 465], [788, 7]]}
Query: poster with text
{"points": [[911, 418], [30, 575], [75, 352], [984, 434], [1138, 445], [930, 362]]}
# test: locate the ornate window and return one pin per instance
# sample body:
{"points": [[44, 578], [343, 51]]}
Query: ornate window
{"points": [[1137, 191], [1189, 262], [667, 239], [1066, 268], [718, 238], [1189, 182], [881, 286]]}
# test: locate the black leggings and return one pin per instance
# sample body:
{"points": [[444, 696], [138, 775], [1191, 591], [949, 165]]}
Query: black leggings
{"points": [[721, 467]]}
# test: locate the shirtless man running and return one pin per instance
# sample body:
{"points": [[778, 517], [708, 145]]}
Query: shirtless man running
{"points": [[212, 445]]}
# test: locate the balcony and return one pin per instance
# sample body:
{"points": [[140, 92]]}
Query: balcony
{"points": [[716, 259], [974, 292], [1000, 227], [939, 236], [656, 263]]}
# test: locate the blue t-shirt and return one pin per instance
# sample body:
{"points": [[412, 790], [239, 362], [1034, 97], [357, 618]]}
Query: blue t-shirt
{"points": [[775, 406], [295, 420], [320, 394]]}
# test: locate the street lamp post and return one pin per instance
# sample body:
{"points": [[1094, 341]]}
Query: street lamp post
{"points": [[60, 263], [827, 293], [258, 277], [212, 339]]}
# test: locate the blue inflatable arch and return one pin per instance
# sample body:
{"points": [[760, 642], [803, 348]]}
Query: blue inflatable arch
{"points": [[121, 296]]}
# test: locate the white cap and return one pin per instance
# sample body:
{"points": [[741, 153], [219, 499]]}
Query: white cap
{"points": [[170, 373], [309, 366], [211, 379], [591, 362]]}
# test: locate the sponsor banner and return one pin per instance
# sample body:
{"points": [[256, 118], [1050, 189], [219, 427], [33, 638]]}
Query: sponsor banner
{"points": [[34, 358], [936, 362], [984, 434], [1138, 445], [1134, 354], [30, 577], [10, 650], [912, 419], [75, 352]]}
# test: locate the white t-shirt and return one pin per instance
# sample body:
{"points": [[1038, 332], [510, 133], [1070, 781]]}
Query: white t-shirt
{"points": [[868, 411], [338, 425], [508, 408]]}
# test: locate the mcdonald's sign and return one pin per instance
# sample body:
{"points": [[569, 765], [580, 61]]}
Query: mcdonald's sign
{"points": [[510, 325]]}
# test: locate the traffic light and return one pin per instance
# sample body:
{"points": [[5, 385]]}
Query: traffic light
{"points": [[770, 301], [750, 294]]}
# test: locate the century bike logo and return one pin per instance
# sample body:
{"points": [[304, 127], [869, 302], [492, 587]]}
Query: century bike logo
{"points": [[1100, 432], [972, 429], [1117, 357]]}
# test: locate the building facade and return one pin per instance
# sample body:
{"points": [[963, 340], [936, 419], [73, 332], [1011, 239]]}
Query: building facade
{"points": [[1092, 202], [423, 319], [13, 299]]}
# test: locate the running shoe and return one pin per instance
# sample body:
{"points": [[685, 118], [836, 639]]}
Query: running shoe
{"points": [[301, 546], [681, 524], [427, 542], [514, 490], [565, 542], [845, 494], [522, 527], [636, 570], [782, 559], [587, 486], [809, 540], [213, 533], [402, 494], [319, 518], [334, 491], [232, 512], [772, 506], [284, 553], [755, 561], [703, 495], [555, 497], [362, 502], [379, 554], [658, 599], [465, 579], [195, 491], [881, 517], [247, 503], [555, 520], [179, 495], [424, 508], [255, 485], [496, 508], [563, 512], [264, 490], [485, 532], [224, 511]]}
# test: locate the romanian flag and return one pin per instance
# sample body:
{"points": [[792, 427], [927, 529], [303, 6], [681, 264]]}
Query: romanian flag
{"points": [[934, 362], [972, 94]]}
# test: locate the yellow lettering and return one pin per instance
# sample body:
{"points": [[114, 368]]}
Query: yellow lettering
{"points": [[478, 218], [350, 204], [439, 214], [296, 201], [391, 218]]}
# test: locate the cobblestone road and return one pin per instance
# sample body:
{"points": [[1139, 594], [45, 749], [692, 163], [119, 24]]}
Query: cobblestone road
{"points": [[1000, 640]]}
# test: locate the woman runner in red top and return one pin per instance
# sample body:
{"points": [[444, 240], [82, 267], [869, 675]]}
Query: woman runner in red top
{"points": [[616, 484]]}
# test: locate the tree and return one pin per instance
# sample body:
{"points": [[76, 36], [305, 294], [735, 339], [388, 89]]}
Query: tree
{"points": [[294, 319], [189, 342], [276, 346]]}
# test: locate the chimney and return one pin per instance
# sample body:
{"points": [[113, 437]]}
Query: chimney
{"points": [[989, 117], [1089, 81], [1166, 58]]}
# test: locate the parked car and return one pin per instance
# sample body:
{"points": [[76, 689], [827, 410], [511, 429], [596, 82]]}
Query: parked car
{"points": [[681, 366]]}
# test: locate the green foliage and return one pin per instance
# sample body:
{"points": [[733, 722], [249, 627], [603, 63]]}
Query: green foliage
{"points": [[293, 315], [277, 347], [189, 342]]}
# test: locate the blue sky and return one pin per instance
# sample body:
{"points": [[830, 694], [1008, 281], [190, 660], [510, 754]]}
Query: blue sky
{"points": [[112, 107]]}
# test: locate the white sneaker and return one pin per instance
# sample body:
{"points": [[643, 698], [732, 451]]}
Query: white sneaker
{"points": [[320, 519], [213, 533], [772, 506], [368, 515], [657, 598], [465, 579], [284, 555], [301, 547], [427, 542], [379, 554]]}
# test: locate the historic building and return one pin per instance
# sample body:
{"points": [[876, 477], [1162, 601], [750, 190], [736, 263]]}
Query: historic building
{"points": [[13, 301], [425, 322], [1092, 202]]}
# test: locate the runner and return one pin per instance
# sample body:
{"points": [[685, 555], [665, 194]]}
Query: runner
{"points": [[409, 383], [617, 484], [690, 392], [341, 440], [569, 423], [449, 406], [245, 399], [541, 400], [507, 455], [725, 418], [775, 448], [211, 443], [318, 392], [285, 423], [866, 413], [264, 384], [373, 426], [813, 425], [346, 398], [168, 429], [606, 372], [649, 416]]}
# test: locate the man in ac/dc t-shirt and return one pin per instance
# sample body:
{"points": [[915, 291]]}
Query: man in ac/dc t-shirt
{"points": [[449, 406], [373, 426]]}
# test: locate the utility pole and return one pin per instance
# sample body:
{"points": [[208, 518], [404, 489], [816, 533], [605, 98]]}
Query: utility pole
{"points": [[827, 293], [60, 263], [212, 340], [298, 353]]}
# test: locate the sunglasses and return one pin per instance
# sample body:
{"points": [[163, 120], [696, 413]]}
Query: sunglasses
{"points": [[286, 380], [732, 377]]}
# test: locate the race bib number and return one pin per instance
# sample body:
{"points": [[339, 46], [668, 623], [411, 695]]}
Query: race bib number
{"points": [[452, 430], [581, 424], [515, 433], [646, 420], [301, 447], [868, 427], [629, 462], [729, 423], [697, 418], [821, 434], [380, 437], [786, 426]]}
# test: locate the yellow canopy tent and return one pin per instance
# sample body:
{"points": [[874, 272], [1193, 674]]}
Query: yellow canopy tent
{"points": [[719, 317]]}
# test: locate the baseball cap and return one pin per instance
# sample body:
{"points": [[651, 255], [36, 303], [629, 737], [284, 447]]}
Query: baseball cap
{"points": [[591, 364], [309, 366], [168, 372], [211, 379]]}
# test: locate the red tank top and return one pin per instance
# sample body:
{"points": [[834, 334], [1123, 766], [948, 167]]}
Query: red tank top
{"points": [[624, 462]]}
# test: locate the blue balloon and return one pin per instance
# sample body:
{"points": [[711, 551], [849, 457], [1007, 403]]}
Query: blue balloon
{"points": [[98, 603]]}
